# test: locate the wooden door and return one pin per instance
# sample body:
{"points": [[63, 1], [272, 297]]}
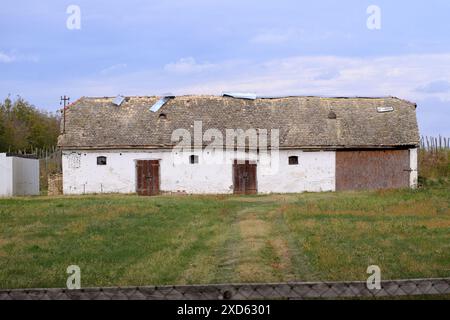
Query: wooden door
{"points": [[244, 178], [372, 169], [147, 173]]}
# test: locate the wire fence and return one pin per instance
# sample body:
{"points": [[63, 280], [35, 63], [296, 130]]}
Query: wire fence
{"points": [[289, 291], [50, 163]]}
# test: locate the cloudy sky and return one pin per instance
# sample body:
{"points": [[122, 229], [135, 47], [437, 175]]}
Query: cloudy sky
{"points": [[203, 46]]}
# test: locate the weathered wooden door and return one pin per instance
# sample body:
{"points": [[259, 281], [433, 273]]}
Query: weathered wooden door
{"points": [[244, 178], [372, 169], [147, 172]]}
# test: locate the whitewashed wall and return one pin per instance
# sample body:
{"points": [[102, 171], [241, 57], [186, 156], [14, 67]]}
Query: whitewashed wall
{"points": [[18, 176], [81, 174], [315, 172]]}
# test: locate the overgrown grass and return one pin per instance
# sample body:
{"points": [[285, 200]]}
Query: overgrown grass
{"points": [[130, 240], [434, 167]]}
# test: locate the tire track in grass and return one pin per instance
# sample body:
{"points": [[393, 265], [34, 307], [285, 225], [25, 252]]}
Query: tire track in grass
{"points": [[256, 256], [229, 253], [258, 249], [242, 254], [298, 268], [206, 265]]}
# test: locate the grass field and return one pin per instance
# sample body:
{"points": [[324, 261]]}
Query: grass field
{"points": [[130, 240]]}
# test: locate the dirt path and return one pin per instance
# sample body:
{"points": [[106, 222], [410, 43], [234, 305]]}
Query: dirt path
{"points": [[260, 249]]}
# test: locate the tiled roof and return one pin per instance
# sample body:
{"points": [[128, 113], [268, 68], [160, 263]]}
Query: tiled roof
{"points": [[303, 122]]}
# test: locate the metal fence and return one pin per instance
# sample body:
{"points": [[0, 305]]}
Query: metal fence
{"points": [[295, 290]]}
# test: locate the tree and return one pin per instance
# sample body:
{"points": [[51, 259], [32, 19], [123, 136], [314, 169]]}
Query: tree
{"points": [[23, 127], [3, 140]]}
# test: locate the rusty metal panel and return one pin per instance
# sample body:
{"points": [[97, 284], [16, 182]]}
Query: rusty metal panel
{"points": [[372, 169], [244, 178], [147, 177]]}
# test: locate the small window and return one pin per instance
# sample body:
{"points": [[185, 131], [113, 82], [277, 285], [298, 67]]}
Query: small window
{"points": [[193, 159], [293, 160], [101, 161]]}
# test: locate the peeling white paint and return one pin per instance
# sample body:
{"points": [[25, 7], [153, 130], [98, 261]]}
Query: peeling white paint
{"points": [[413, 177], [315, 172]]}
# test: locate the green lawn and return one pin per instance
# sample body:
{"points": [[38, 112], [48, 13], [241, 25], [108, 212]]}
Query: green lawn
{"points": [[129, 240]]}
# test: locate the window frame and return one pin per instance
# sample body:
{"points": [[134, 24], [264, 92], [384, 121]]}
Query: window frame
{"points": [[193, 159], [102, 161], [293, 160]]}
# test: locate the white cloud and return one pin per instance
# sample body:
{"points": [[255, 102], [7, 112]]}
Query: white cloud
{"points": [[300, 75], [336, 76], [6, 58], [13, 57], [438, 86], [399, 76], [113, 68], [188, 65], [328, 75], [277, 36]]}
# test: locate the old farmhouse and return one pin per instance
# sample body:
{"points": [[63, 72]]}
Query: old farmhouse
{"points": [[128, 145]]}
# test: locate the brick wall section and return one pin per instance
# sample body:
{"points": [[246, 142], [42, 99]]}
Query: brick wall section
{"points": [[55, 186]]}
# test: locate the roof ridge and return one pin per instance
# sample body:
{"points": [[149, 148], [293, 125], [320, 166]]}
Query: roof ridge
{"points": [[257, 97]]}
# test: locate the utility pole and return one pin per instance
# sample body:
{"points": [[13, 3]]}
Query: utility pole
{"points": [[64, 101]]}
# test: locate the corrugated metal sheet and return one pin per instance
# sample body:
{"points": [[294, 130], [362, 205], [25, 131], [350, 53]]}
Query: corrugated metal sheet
{"points": [[240, 95], [160, 103], [118, 100]]}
